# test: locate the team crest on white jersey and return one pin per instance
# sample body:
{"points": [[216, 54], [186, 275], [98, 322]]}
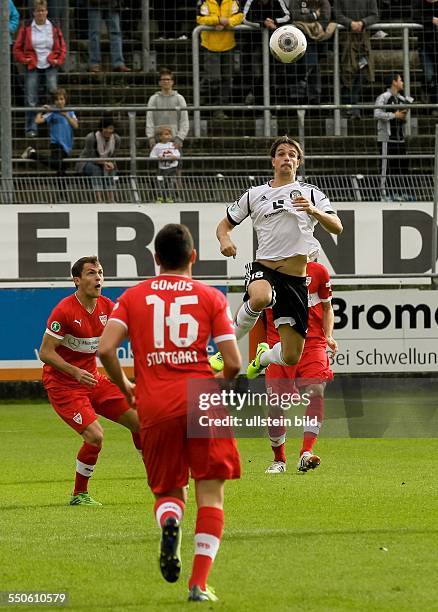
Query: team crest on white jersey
{"points": [[78, 418], [294, 194], [103, 319]]}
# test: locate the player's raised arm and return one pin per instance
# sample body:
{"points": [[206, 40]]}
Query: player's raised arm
{"points": [[49, 356], [111, 338]]}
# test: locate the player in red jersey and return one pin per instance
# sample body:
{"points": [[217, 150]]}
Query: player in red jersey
{"points": [[75, 388], [312, 371], [169, 320]]}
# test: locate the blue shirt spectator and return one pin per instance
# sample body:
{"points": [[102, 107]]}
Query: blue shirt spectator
{"points": [[14, 20]]}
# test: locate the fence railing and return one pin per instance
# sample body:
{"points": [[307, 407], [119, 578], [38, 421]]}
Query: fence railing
{"points": [[202, 189]]}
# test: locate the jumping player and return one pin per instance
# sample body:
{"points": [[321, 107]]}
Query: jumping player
{"points": [[284, 213], [76, 390], [312, 372], [169, 320]]}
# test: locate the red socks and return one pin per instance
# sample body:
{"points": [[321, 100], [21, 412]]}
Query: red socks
{"points": [[208, 533], [315, 409], [165, 507], [279, 453], [85, 462]]}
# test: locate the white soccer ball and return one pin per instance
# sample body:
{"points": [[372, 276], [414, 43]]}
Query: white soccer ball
{"points": [[288, 44]]}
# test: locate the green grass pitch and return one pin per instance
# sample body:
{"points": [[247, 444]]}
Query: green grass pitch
{"points": [[360, 533]]}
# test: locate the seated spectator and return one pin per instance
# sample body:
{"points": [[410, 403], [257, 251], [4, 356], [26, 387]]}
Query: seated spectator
{"points": [[313, 18], [391, 137], [40, 47], [217, 47], [61, 125], [426, 14], [168, 156], [167, 104], [101, 145], [356, 58], [109, 11]]}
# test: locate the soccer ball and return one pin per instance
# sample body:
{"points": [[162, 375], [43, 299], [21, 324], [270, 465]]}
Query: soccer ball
{"points": [[288, 44]]}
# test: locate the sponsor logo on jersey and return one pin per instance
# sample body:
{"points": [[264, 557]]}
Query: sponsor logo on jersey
{"points": [[294, 194], [103, 319], [55, 326], [78, 321], [77, 418], [263, 197], [73, 341]]}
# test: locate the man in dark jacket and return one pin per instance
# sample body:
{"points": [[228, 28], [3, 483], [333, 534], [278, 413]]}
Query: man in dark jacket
{"points": [[109, 11], [356, 60]]}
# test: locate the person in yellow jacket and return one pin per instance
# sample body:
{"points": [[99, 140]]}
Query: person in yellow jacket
{"points": [[218, 45]]}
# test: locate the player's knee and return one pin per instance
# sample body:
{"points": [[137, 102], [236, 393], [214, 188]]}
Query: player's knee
{"points": [[94, 437], [260, 301], [291, 356]]}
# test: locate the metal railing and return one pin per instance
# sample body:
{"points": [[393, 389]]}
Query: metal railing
{"points": [[404, 27], [202, 189]]}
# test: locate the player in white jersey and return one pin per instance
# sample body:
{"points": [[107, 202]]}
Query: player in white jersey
{"points": [[284, 213]]}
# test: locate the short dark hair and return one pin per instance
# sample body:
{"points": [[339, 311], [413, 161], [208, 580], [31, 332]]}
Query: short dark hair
{"points": [[106, 121], [59, 92], [166, 71], [174, 246], [78, 266], [286, 140], [390, 77]]}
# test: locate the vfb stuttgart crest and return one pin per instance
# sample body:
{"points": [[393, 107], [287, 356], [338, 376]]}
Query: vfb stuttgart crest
{"points": [[308, 280], [103, 319]]}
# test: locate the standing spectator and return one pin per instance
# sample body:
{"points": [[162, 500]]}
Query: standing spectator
{"points": [[426, 13], [14, 20], [312, 17], [356, 59], [101, 145], [390, 133], [61, 125], [40, 47], [167, 107], [218, 49], [168, 156], [109, 11], [268, 14]]}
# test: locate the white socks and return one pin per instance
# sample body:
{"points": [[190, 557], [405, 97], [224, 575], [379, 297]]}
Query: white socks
{"points": [[272, 356], [245, 320]]}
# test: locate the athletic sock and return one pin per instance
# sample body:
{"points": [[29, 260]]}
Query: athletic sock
{"points": [[245, 320], [166, 507], [314, 409], [208, 533], [272, 356], [277, 437], [85, 462]]}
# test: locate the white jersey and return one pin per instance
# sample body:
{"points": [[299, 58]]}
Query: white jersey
{"points": [[281, 230]]}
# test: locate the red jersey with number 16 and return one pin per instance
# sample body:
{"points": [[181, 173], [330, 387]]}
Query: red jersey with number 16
{"points": [[79, 331], [169, 320]]}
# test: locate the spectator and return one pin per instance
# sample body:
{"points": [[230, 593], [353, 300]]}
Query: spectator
{"points": [[58, 10], [268, 14], [218, 48], [356, 59], [101, 145], [109, 11], [426, 13], [61, 125], [40, 47], [390, 134], [313, 18], [168, 156], [14, 20], [167, 110]]}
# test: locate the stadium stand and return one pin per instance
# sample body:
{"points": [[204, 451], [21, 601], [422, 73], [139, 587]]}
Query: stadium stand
{"points": [[341, 152]]}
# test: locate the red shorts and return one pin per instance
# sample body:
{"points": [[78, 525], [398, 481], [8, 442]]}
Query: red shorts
{"points": [[79, 406], [313, 367], [169, 455]]}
